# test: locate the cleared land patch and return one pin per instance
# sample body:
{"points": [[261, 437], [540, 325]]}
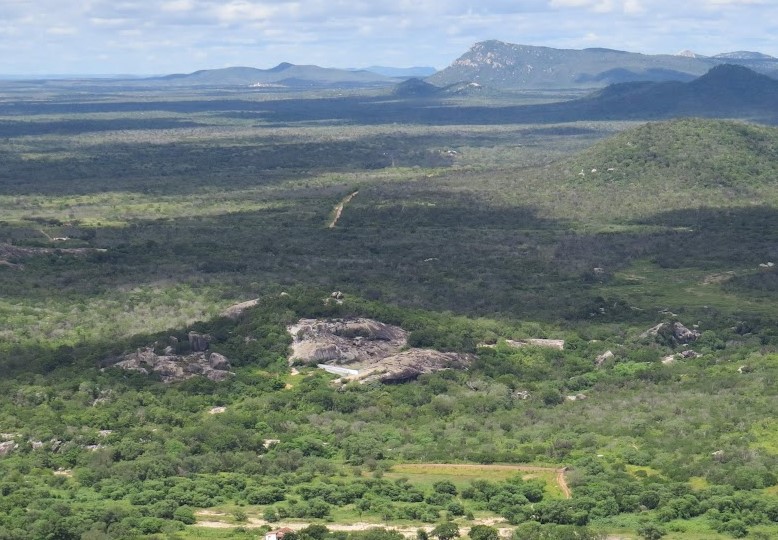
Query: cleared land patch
{"points": [[461, 473]]}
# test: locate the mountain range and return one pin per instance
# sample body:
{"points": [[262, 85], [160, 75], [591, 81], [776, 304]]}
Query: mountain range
{"points": [[488, 66], [509, 66], [282, 75]]}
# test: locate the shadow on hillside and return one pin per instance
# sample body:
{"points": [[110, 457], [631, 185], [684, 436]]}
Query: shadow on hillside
{"points": [[456, 254], [717, 237], [13, 128], [181, 168], [359, 110]]}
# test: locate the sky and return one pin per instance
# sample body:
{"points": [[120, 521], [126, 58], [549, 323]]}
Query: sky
{"points": [[181, 36]]}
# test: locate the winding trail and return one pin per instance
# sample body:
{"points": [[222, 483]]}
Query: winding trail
{"points": [[562, 482], [339, 209]]}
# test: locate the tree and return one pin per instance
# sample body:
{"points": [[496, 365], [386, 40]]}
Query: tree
{"points": [[184, 514], [446, 531], [484, 532], [651, 531], [314, 532], [445, 486]]}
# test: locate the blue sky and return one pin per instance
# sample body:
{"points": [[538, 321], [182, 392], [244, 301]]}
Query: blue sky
{"points": [[174, 36]]}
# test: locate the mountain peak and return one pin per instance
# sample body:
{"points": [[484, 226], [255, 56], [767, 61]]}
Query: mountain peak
{"points": [[686, 53], [283, 66]]}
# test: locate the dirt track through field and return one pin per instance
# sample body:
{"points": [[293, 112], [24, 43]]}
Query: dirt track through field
{"points": [[407, 531], [339, 209]]}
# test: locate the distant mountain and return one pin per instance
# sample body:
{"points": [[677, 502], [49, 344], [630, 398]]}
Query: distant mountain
{"points": [[398, 72], [690, 54], [509, 66], [284, 74], [744, 55], [416, 88], [726, 90]]}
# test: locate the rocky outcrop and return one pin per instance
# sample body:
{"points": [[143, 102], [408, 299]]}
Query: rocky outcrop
{"points": [[6, 447], [343, 341], [373, 350], [218, 362], [235, 311], [408, 365], [604, 357], [172, 368], [558, 344], [674, 332], [199, 342]]}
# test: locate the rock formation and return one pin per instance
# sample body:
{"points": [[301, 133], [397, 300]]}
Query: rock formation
{"points": [[674, 332], [376, 351], [235, 311], [172, 368]]}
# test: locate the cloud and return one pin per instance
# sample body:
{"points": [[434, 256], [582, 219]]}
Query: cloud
{"points": [[183, 35], [629, 7]]}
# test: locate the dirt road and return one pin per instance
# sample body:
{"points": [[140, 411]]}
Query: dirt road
{"points": [[339, 209]]}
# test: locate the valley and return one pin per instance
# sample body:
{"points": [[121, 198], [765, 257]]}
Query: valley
{"points": [[589, 290]]}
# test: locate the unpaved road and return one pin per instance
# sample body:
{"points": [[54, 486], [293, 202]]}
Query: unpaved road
{"points": [[407, 531], [339, 209]]}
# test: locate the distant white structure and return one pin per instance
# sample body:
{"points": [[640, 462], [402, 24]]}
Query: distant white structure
{"points": [[337, 370]]}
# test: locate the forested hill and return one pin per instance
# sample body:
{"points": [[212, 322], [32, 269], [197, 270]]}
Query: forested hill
{"points": [[703, 153]]}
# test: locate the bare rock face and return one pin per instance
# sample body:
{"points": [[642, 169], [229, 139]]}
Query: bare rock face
{"points": [[172, 368], [218, 361], [235, 311], [604, 357], [7, 447], [373, 350], [342, 341], [676, 332], [408, 365], [218, 375], [199, 342], [683, 334], [558, 344]]}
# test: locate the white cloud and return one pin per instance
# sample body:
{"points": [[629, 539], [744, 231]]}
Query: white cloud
{"points": [[178, 6], [184, 35]]}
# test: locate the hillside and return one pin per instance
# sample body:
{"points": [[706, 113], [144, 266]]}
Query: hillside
{"points": [[693, 152], [725, 90], [507, 65]]}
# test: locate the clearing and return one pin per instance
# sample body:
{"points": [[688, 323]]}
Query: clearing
{"points": [[339, 209], [466, 471]]}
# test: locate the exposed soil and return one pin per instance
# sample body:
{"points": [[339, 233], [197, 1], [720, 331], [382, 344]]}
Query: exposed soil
{"points": [[339, 209], [407, 531]]}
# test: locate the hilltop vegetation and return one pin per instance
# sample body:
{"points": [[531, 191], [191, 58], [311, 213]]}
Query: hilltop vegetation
{"points": [[696, 155], [123, 231]]}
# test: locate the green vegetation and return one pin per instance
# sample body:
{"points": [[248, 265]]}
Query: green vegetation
{"points": [[128, 221]]}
